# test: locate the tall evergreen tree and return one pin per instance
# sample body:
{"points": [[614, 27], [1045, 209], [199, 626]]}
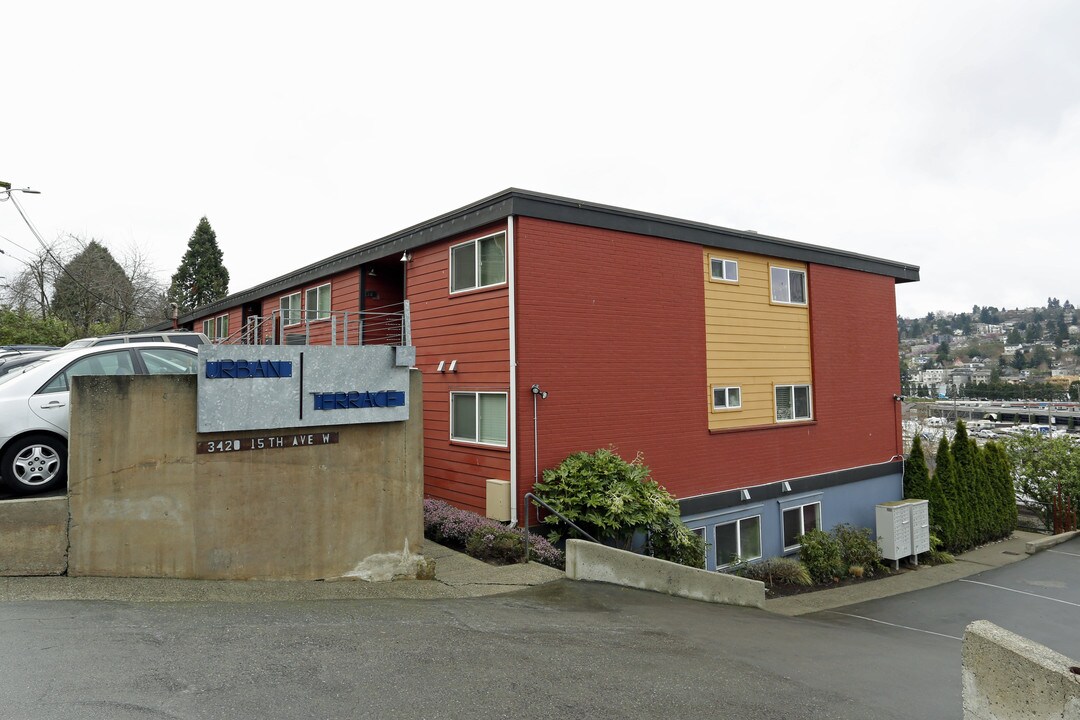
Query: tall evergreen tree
{"points": [[1000, 471], [943, 496], [916, 475], [965, 502], [91, 291], [201, 278]]}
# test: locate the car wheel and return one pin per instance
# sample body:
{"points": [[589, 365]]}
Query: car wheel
{"points": [[34, 463]]}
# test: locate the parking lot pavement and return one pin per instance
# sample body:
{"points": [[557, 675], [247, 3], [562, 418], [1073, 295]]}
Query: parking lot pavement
{"points": [[561, 649], [1038, 598]]}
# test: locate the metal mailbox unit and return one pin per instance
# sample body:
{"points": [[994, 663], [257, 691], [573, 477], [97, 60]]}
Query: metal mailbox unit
{"points": [[903, 529]]}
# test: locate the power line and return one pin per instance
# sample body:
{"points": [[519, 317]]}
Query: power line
{"points": [[5, 189]]}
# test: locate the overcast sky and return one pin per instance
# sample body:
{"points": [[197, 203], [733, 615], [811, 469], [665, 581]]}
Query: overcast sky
{"points": [[941, 134]]}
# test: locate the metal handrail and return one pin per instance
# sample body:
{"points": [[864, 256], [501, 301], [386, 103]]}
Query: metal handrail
{"points": [[562, 517]]}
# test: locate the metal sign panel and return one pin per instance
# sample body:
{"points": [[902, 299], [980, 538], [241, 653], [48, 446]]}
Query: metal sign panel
{"points": [[261, 387]]}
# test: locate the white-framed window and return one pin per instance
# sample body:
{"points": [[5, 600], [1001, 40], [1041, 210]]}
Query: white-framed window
{"points": [[221, 327], [317, 300], [478, 263], [793, 403], [290, 309], [799, 520], [724, 270], [208, 328], [726, 398], [478, 417], [788, 286], [740, 540]]}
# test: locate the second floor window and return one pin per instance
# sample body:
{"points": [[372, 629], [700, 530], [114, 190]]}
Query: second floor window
{"points": [[318, 302], [788, 286], [290, 309], [478, 263]]}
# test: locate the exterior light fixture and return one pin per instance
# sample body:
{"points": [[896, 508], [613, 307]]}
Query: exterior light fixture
{"points": [[442, 366], [371, 272], [744, 495], [405, 257], [785, 487], [453, 366]]}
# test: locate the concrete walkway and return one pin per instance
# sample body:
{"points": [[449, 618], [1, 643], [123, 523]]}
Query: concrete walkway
{"points": [[456, 576], [989, 556], [459, 576]]}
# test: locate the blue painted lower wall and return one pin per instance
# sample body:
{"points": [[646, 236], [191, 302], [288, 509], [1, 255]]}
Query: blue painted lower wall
{"points": [[850, 502]]}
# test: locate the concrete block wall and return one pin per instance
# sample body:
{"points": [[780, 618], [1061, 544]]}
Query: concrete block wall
{"points": [[590, 561], [1008, 677], [143, 503], [33, 536]]}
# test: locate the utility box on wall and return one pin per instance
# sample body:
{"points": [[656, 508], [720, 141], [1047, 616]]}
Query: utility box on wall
{"points": [[498, 500], [903, 529]]}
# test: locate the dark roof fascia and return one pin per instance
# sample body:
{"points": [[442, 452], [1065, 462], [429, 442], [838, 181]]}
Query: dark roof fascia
{"points": [[550, 207], [541, 206]]}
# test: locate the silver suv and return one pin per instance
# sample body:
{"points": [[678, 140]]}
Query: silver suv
{"points": [[184, 337]]}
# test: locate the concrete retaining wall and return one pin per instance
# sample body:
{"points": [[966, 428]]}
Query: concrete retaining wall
{"points": [[34, 536], [145, 504], [1007, 676], [590, 561]]}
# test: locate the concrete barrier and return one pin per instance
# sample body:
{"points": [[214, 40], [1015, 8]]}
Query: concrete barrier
{"points": [[599, 563], [34, 536], [1007, 676], [1041, 544]]}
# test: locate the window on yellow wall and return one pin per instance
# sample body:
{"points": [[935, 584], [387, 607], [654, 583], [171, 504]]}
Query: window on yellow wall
{"points": [[724, 270], [726, 398], [788, 286], [792, 403]]}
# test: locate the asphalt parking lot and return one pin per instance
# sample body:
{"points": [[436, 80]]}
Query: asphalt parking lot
{"points": [[1038, 598]]}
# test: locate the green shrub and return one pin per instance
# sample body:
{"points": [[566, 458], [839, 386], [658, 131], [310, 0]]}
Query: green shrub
{"points": [[822, 555], [612, 499], [776, 571], [858, 548], [673, 541], [936, 556], [497, 546], [607, 496]]}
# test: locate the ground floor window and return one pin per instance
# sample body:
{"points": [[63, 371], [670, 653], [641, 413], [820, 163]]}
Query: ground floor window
{"points": [[800, 520], [478, 417], [740, 540]]}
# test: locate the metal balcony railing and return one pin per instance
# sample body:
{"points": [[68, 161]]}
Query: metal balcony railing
{"points": [[389, 325]]}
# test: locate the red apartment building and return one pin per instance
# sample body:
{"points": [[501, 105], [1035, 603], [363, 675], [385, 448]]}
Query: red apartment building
{"points": [[756, 376]]}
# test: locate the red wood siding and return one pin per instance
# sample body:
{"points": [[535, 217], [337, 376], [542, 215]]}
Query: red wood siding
{"points": [[612, 326], [474, 329]]}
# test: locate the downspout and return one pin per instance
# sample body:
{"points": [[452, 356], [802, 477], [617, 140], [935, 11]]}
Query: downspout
{"points": [[512, 293]]}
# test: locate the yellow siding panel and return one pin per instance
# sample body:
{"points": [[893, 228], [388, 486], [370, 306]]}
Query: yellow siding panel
{"points": [[750, 342]]}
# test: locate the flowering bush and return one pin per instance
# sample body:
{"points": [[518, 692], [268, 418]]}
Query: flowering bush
{"points": [[484, 538]]}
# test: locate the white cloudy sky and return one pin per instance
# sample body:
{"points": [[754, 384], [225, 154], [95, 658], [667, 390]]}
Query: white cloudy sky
{"points": [[943, 134]]}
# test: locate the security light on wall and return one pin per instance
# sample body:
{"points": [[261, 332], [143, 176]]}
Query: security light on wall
{"points": [[442, 366], [453, 366], [744, 495], [405, 257], [785, 486], [371, 272]]}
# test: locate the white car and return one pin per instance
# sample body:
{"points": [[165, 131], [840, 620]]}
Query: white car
{"points": [[34, 414]]}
